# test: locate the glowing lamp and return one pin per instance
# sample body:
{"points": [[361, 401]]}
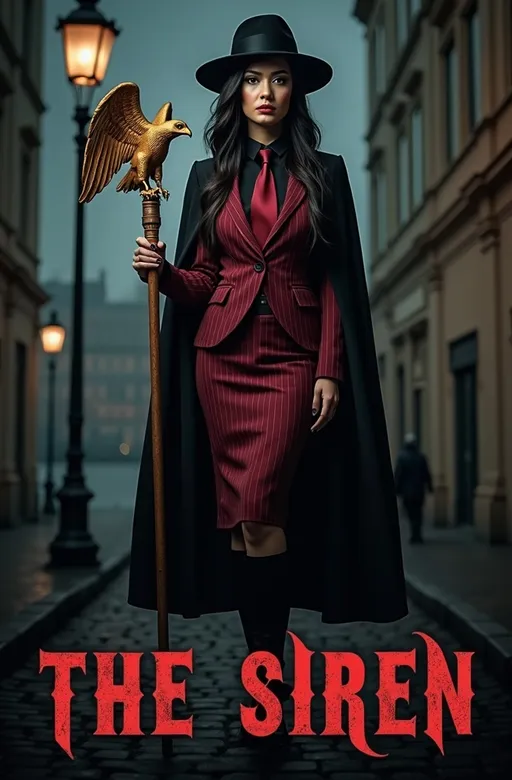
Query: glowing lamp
{"points": [[88, 39], [52, 335]]}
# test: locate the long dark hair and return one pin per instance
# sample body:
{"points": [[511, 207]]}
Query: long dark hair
{"points": [[224, 137]]}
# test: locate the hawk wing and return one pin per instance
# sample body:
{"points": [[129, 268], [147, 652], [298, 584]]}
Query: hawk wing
{"points": [[164, 115], [115, 130]]}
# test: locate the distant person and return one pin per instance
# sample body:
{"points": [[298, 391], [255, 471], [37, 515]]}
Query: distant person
{"points": [[412, 478]]}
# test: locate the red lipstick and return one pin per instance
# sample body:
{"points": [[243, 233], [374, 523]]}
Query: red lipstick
{"points": [[266, 109]]}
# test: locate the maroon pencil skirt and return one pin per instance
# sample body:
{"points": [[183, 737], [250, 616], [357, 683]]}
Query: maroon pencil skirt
{"points": [[256, 393]]}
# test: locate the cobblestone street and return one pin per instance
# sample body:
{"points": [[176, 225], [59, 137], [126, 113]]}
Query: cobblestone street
{"points": [[28, 749]]}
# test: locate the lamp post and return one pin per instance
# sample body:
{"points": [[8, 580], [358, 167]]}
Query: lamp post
{"points": [[88, 39], [52, 337]]}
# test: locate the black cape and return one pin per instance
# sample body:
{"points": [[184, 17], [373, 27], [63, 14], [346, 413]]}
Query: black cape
{"points": [[343, 531]]}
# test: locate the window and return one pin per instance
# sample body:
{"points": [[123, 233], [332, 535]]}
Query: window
{"points": [[406, 13], [128, 435], [417, 155], [28, 28], [382, 367], [507, 31], [451, 102], [417, 412], [379, 54], [402, 22], [373, 63], [381, 205], [415, 8], [400, 397], [3, 143], [21, 396], [474, 67], [25, 188], [403, 176]]}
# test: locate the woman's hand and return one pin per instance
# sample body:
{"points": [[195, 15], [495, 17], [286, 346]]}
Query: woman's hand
{"points": [[325, 400], [148, 257]]}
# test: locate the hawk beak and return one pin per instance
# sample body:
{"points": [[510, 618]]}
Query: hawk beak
{"points": [[185, 131]]}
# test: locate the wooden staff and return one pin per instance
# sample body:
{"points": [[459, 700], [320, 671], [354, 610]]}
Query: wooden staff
{"points": [[120, 133], [151, 223]]}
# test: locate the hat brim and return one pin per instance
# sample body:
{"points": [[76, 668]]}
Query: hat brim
{"points": [[312, 72]]}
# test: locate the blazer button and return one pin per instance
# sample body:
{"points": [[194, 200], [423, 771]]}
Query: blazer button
{"points": [[258, 267]]}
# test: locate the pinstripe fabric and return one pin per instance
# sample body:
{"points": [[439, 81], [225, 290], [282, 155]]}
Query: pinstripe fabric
{"points": [[229, 286], [330, 352], [255, 374], [255, 390], [194, 286]]}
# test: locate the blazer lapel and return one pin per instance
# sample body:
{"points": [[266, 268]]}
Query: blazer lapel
{"points": [[235, 209], [295, 194]]}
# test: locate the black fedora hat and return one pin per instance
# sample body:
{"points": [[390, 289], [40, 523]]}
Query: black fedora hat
{"points": [[265, 36]]}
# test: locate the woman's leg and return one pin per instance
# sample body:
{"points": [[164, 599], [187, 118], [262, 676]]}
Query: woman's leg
{"points": [[263, 540], [237, 539]]}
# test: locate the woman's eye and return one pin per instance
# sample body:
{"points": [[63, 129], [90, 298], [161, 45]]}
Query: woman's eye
{"points": [[279, 80]]}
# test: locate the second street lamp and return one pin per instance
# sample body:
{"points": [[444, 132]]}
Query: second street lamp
{"points": [[52, 338], [88, 39]]}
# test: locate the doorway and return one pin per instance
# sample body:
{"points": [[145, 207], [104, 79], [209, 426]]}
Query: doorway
{"points": [[417, 411], [465, 443], [464, 368], [400, 400]]}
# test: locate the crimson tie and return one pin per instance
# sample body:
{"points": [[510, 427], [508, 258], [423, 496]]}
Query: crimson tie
{"points": [[264, 200]]}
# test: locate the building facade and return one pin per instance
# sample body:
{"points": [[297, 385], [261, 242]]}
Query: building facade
{"points": [[116, 374], [21, 296], [440, 160]]}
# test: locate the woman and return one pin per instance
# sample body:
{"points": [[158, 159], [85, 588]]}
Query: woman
{"points": [[279, 486]]}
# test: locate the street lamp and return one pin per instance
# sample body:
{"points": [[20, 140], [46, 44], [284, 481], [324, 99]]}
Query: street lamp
{"points": [[88, 39], [52, 337]]}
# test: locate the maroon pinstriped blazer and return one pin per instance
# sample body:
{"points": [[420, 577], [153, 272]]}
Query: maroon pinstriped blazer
{"points": [[229, 285]]}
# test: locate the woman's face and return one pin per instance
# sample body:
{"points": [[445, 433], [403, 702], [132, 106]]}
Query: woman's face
{"points": [[267, 85]]}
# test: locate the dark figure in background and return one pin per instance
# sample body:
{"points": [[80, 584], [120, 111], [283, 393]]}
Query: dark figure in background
{"points": [[412, 477]]}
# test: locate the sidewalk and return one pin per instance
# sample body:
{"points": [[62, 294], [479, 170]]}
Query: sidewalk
{"points": [[465, 585], [34, 599], [475, 572]]}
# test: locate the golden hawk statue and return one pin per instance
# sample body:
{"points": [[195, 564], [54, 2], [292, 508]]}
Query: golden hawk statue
{"points": [[120, 133]]}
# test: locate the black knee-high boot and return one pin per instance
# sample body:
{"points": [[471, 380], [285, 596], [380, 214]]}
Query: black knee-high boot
{"points": [[266, 608], [238, 558], [263, 605]]}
